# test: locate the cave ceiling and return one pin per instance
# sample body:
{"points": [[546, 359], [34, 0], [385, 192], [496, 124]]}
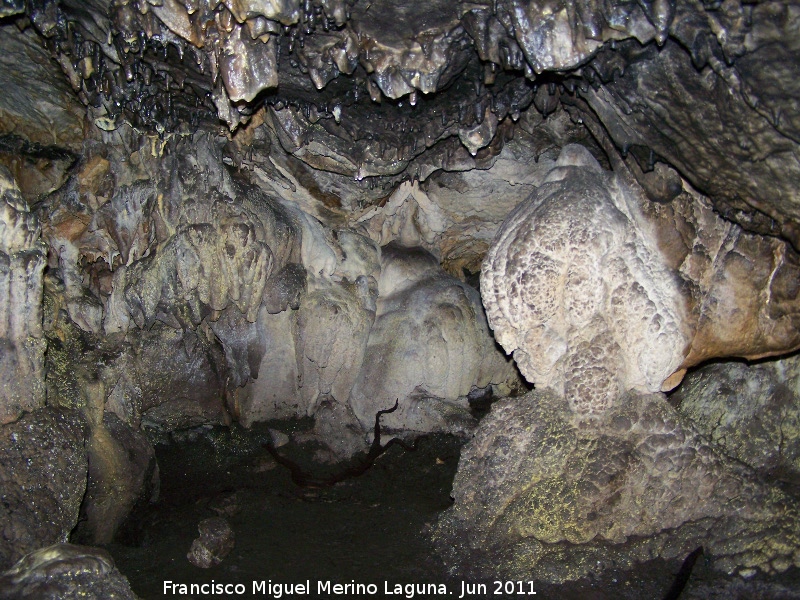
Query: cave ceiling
{"points": [[382, 91]]}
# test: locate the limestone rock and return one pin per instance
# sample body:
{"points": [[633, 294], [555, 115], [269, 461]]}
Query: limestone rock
{"points": [[332, 328], [274, 394], [214, 543], [577, 291], [428, 348], [65, 571], [735, 114], [596, 290], [43, 467], [541, 490], [752, 412], [22, 259], [37, 104], [406, 48], [122, 473], [174, 393], [560, 35]]}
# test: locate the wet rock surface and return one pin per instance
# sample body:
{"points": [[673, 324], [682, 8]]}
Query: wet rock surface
{"points": [[122, 474], [215, 542], [43, 480], [65, 571], [541, 488], [372, 89], [38, 105]]}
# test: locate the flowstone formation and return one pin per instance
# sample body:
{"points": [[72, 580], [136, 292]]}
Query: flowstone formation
{"points": [[263, 311], [22, 257], [605, 298], [597, 291]]}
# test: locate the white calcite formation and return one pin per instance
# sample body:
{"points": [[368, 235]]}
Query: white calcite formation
{"points": [[598, 291], [219, 301], [579, 293]]}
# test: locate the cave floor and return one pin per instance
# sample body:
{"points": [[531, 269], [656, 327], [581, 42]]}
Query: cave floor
{"points": [[370, 529]]}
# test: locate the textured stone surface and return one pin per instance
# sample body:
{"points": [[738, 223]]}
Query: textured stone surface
{"points": [[43, 469], [215, 542], [388, 91], [579, 293], [429, 347], [37, 104], [596, 290], [752, 412], [736, 112], [122, 473], [21, 344], [540, 490], [65, 571]]}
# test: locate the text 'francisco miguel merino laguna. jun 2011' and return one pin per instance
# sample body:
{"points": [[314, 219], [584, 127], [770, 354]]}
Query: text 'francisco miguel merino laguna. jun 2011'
{"points": [[328, 588]]}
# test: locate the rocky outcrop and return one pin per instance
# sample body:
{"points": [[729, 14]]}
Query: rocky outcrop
{"points": [[596, 290], [186, 390], [65, 571], [263, 311], [539, 489], [386, 91], [722, 87], [43, 480], [122, 474], [751, 412], [414, 335], [22, 258]]}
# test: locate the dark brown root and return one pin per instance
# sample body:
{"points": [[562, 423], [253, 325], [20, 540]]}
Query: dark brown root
{"points": [[305, 478]]}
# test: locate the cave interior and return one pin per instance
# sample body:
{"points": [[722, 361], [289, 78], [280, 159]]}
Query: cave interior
{"points": [[472, 291]]}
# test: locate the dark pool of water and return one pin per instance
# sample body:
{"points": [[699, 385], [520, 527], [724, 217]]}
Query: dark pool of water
{"points": [[370, 529]]}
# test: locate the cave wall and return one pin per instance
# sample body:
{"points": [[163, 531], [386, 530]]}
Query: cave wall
{"points": [[243, 211]]}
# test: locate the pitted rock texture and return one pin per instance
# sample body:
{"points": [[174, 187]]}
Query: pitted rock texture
{"points": [[751, 411], [575, 289], [540, 490], [22, 259], [65, 571], [43, 467], [597, 290]]}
